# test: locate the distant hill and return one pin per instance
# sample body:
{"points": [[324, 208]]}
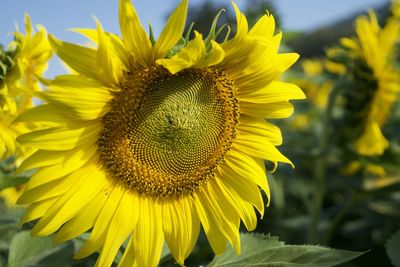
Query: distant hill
{"points": [[313, 44]]}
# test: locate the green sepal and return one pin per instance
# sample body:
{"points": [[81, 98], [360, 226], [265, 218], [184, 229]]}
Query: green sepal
{"points": [[212, 35], [151, 35]]}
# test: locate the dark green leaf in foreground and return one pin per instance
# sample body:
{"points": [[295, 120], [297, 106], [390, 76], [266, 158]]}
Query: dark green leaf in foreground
{"points": [[393, 249], [26, 250], [260, 250]]}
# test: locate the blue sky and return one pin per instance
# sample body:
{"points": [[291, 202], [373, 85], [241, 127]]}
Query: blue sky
{"points": [[59, 15]]}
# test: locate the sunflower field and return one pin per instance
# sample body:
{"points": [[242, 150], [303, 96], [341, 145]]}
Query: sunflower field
{"points": [[224, 140]]}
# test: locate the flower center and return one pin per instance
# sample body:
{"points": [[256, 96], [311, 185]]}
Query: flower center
{"points": [[165, 134]]}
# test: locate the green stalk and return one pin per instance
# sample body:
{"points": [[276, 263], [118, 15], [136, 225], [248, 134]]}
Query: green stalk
{"points": [[339, 217], [321, 167]]}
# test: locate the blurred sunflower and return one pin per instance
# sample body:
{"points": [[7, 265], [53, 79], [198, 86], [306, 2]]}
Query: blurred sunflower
{"points": [[396, 8], [21, 64], [154, 141], [377, 80], [24, 60], [315, 86]]}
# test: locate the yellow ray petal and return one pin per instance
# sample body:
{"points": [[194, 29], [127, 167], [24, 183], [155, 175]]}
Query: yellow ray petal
{"points": [[247, 191], [148, 238], [48, 190], [79, 58], [181, 227], [55, 172], [242, 26], [109, 66], [194, 55], [247, 168], [264, 28], [37, 210], [117, 46], [85, 99], [259, 147], [82, 192], [278, 110], [276, 91], [233, 201], [82, 221], [123, 222], [213, 215], [134, 36], [61, 138], [128, 259], [249, 125], [172, 31], [101, 226], [42, 113], [44, 158]]}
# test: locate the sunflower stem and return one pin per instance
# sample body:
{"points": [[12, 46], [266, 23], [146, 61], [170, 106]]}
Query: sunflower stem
{"points": [[321, 167], [339, 217]]}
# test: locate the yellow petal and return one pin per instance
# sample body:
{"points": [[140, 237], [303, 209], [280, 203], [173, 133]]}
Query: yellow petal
{"points": [[187, 57], [44, 158], [37, 210], [121, 225], [91, 182], [99, 231], [234, 202], [61, 138], [247, 168], [278, 110], [181, 227], [247, 191], [260, 147], [241, 23], [134, 36], [117, 46], [264, 28], [82, 221], [42, 113], [47, 190], [194, 55], [79, 58], [213, 215], [217, 239], [109, 66], [172, 31], [147, 238], [54, 172], [84, 99], [249, 125], [276, 91]]}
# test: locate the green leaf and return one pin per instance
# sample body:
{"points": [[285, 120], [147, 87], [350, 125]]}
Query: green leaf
{"points": [[165, 254], [8, 181], [26, 250], [393, 248], [261, 250]]}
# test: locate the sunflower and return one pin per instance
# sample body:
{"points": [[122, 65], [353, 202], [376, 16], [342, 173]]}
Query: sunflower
{"points": [[373, 68], [315, 86], [154, 141], [24, 60], [396, 8]]}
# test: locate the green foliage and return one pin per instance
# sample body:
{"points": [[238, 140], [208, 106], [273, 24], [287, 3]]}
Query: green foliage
{"points": [[393, 249], [26, 250], [7, 61], [8, 181], [261, 250]]}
